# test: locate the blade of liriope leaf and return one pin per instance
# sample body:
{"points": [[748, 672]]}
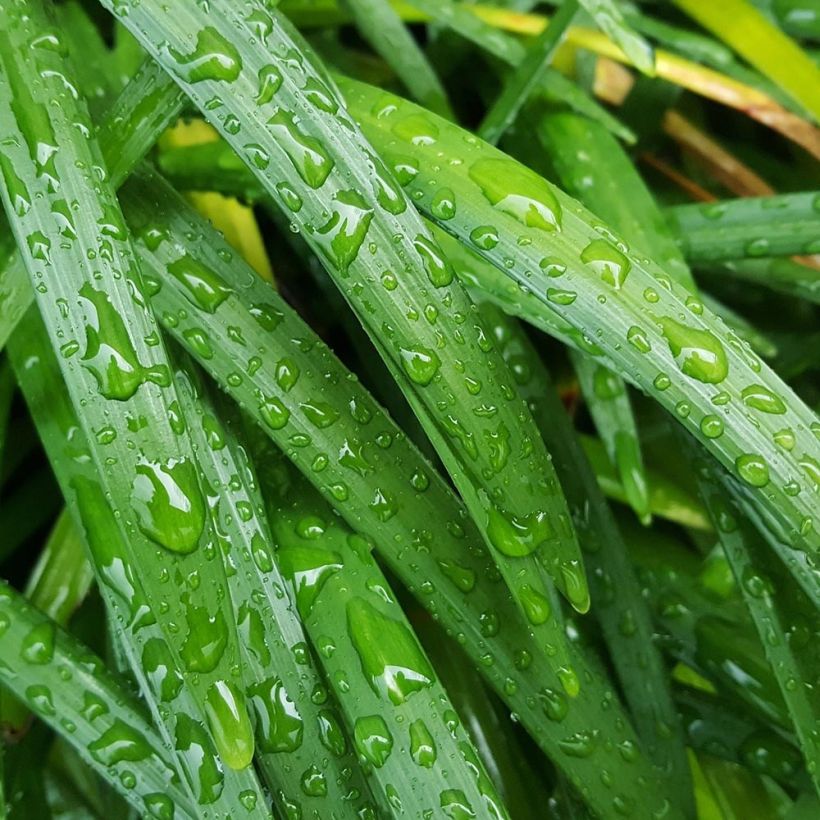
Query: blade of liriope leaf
{"points": [[748, 226], [412, 303], [783, 275], [509, 50], [112, 357], [125, 591], [609, 18], [385, 31], [518, 776], [62, 575], [96, 713], [592, 167], [56, 586], [419, 757], [784, 619], [308, 775], [654, 335], [526, 75], [715, 640], [715, 726], [607, 400], [137, 117], [377, 481], [763, 45], [616, 595], [698, 47], [666, 499]]}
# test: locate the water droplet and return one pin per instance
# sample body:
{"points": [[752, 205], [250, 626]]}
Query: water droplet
{"points": [[229, 724], [518, 192], [761, 398], [168, 503], [373, 739], [699, 353], [422, 745], [214, 58], [391, 659], [308, 155], [420, 363], [607, 261], [752, 469]]}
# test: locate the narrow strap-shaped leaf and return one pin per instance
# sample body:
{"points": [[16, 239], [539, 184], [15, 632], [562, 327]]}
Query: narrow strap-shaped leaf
{"points": [[367, 470], [657, 337], [308, 774], [609, 18], [715, 726], [147, 105], [463, 21], [418, 754], [62, 576], [382, 27], [72, 236], [749, 226], [783, 275], [412, 304], [616, 596], [526, 75], [607, 400], [96, 713], [741, 26], [794, 660], [124, 590]]}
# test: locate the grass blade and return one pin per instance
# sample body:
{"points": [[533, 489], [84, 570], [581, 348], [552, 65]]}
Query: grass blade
{"points": [[527, 75], [617, 604], [673, 349], [382, 27], [124, 590], [461, 19], [306, 772], [793, 662], [763, 45], [607, 14], [608, 403], [749, 227], [783, 275], [109, 363], [419, 756], [97, 715]]}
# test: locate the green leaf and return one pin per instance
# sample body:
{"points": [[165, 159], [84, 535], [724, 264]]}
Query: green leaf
{"points": [[402, 723], [526, 75], [741, 26], [96, 714], [115, 370], [382, 27], [783, 622], [653, 332], [607, 15], [748, 227], [460, 19]]}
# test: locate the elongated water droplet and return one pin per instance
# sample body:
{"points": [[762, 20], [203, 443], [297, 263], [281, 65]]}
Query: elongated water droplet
{"points": [[391, 659]]}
